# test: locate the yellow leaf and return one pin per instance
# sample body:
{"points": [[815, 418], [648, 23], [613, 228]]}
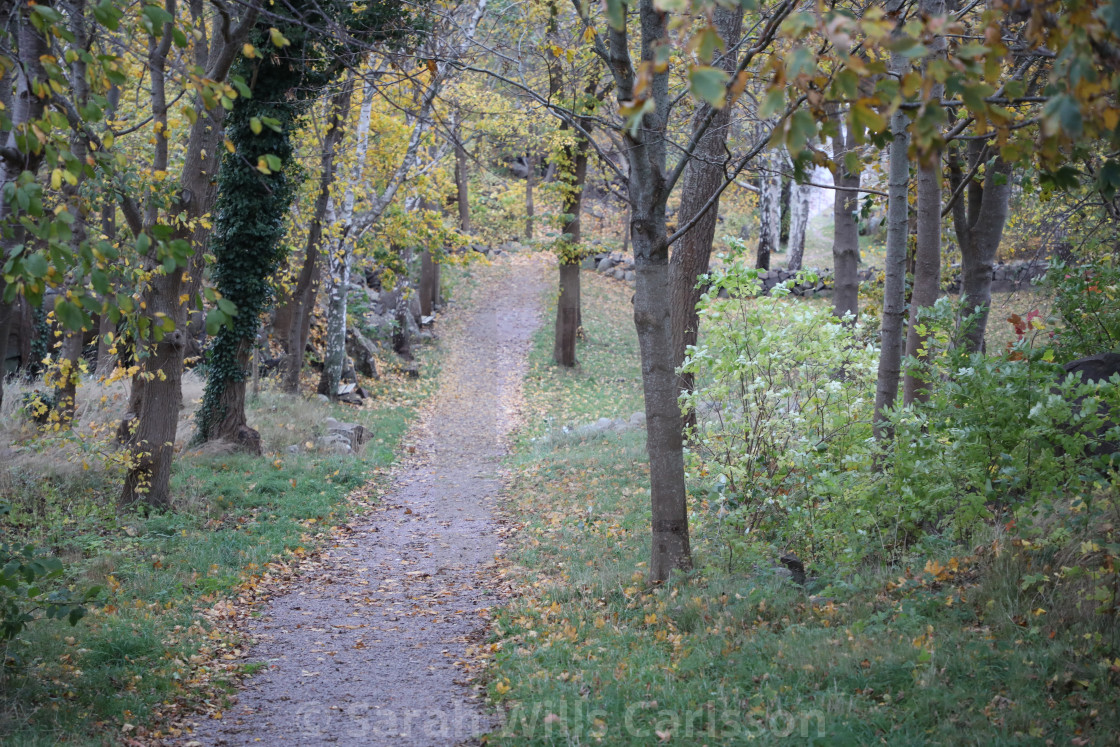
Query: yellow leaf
{"points": [[249, 51], [278, 38]]}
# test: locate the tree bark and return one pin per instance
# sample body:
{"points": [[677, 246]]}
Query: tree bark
{"points": [[25, 108], [798, 225], [769, 212], [702, 178], [979, 228], [340, 260], [568, 304], [302, 301], [531, 166], [427, 283], [462, 183], [927, 270], [845, 239], [894, 290], [157, 394]]}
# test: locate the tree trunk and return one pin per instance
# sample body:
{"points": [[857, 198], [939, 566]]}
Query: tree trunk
{"points": [[567, 315], [845, 240], [531, 166], [568, 305], [295, 323], [427, 283], [157, 392], [894, 290], [702, 178], [340, 259], [338, 283], [769, 212], [105, 325], [25, 107], [927, 252], [927, 270], [979, 229], [462, 183], [798, 225]]}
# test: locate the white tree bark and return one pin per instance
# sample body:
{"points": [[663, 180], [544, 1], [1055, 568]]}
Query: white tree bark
{"points": [[340, 258], [769, 211], [798, 224]]}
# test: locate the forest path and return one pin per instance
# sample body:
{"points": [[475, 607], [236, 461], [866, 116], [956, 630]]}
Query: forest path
{"points": [[368, 647]]}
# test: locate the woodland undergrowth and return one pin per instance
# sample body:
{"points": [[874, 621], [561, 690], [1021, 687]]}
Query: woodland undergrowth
{"points": [[999, 628]]}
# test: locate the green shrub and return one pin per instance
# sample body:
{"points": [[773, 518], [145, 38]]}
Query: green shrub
{"points": [[30, 589], [1085, 300], [785, 393]]}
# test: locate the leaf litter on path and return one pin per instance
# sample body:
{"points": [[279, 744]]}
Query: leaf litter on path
{"points": [[381, 637]]}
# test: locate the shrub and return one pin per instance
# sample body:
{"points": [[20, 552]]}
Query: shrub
{"points": [[783, 391], [1085, 300]]}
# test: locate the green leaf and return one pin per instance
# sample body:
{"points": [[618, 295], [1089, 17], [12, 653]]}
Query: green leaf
{"points": [[255, 125], [671, 6], [616, 14], [278, 39], [708, 84], [69, 315], [36, 265], [228, 307]]}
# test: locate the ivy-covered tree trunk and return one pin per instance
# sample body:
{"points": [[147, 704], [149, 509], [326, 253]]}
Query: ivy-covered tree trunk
{"points": [[894, 288], [702, 178], [568, 304], [340, 258], [845, 238], [297, 325], [255, 188]]}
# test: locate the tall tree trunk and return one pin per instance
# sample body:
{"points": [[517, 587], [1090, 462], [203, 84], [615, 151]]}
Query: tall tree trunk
{"points": [[105, 326], [894, 289], [798, 225], [26, 107], [462, 183], [531, 166], [427, 282], [70, 352], [568, 304], [340, 259], [769, 211], [157, 393], [927, 270], [702, 178], [845, 239], [927, 254], [979, 228], [302, 300]]}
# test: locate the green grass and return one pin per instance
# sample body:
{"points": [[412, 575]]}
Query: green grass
{"points": [[968, 652], [148, 651]]}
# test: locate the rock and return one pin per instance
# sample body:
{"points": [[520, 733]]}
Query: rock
{"points": [[361, 351], [334, 445], [619, 274], [293, 449], [629, 276], [637, 420], [323, 398], [354, 435], [606, 263], [795, 566], [1095, 368]]}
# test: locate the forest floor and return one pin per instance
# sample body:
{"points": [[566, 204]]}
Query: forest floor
{"points": [[371, 644]]}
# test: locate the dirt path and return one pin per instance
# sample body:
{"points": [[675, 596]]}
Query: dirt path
{"points": [[369, 648]]}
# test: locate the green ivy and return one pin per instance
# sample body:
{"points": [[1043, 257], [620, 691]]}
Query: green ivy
{"points": [[256, 185]]}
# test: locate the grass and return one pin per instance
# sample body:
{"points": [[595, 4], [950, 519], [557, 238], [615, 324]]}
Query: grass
{"points": [[964, 646], [159, 639]]}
